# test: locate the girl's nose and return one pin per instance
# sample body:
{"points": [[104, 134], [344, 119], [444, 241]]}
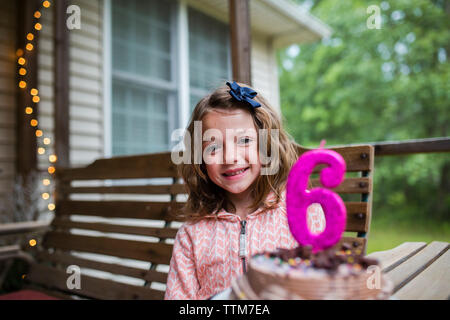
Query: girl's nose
{"points": [[230, 155]]}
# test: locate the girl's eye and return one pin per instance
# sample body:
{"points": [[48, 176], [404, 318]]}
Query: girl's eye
{"points": [[245, 140]]}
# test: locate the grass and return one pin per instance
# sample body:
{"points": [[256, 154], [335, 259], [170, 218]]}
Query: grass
{"points": [[388, 233]]}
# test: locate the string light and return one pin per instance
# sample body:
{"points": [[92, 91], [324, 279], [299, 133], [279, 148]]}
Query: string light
{"points": [[32, 242], [35, 98]]}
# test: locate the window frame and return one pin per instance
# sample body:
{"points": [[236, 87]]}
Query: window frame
{"points": [[179, 98]]}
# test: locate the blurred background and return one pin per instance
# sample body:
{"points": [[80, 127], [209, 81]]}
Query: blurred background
{"points": [[388, 84]]}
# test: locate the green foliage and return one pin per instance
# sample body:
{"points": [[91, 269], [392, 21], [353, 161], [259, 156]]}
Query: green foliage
{"points": [[366, 85]]}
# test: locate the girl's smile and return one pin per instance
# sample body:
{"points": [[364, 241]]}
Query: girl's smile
{"points": [[236, 173]]}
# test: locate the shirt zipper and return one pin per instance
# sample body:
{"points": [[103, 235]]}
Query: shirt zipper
{"points": [[242, 248]]}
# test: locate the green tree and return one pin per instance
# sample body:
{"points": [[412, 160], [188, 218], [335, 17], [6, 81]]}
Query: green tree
{"points": [[366, 85]]}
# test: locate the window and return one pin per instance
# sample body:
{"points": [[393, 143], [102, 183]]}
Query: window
{"points": [[145, 84], [209, 59]]}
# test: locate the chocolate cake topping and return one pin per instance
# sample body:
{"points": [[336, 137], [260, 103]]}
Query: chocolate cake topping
{"points": [[328, 259]]}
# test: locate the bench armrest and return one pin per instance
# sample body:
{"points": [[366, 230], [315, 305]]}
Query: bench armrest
{"points": [[14, 251], [23, 227]]}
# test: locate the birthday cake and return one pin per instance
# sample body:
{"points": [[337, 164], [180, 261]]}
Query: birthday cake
{"points": [[319, 268], [298, 274]]}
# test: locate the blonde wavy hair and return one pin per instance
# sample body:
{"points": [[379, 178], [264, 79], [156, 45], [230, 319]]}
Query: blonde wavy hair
{"points": [[205, 197]]}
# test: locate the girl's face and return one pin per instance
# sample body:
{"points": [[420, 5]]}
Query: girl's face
{"points": [[231, 153]]}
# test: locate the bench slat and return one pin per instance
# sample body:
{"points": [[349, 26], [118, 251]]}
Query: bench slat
{"points": [[416, 264], [357, 158], [157, 165], [120, 209], [147, 189], [360, 242], [389, 259], [349, 185], [67, 259], [431, 284], [162, 233], [159, 253], [357, 212], [91, 287]]}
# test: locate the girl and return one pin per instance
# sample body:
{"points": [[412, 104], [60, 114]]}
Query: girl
{"points": [[233, 210]]}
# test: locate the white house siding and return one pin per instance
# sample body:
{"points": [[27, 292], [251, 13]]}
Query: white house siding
{"points": [[8, 90], [85, 93], [264, 69]]}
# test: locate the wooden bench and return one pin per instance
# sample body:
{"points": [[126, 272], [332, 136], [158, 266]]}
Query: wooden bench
{"points": [[126, 226]]}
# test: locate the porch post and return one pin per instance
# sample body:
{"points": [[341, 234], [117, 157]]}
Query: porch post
{"points": [[61, 84], [240, 40]]}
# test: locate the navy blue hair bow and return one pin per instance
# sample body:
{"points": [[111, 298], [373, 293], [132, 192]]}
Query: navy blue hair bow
{"points": [[243, 94]]}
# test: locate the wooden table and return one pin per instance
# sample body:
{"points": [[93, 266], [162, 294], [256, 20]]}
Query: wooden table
{"points": [[417, 270]]}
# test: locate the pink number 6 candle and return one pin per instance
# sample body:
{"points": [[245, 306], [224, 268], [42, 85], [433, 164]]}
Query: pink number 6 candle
{"points": [[298, 199]]}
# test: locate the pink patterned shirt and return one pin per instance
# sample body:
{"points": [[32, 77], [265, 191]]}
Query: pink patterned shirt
{"points": [[205, 257]]}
